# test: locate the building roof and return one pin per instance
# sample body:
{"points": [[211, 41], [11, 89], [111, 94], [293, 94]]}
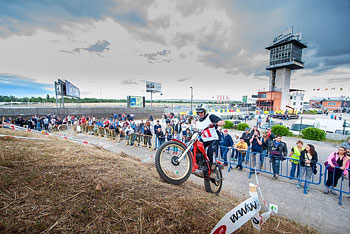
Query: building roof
{"points": [[342, 98], [293, 90], [296, 42]]}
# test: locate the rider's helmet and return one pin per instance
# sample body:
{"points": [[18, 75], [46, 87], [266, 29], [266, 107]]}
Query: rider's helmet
{"points": [[202, 108]]}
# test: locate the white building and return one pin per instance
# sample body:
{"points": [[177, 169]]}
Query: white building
{"points": [[296, 99]]}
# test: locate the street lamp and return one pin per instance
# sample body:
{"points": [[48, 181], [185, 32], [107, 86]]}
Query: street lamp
{"points": [[191, 99]]}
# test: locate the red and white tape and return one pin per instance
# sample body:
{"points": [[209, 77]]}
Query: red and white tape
{"points": [[14, 127]]}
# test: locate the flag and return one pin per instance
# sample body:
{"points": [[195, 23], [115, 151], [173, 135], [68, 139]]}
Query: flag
{"points": [[318, 89], [341, 89], [314, 89]]}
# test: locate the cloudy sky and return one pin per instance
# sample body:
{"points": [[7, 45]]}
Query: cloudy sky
{"points": [[109, 48]]}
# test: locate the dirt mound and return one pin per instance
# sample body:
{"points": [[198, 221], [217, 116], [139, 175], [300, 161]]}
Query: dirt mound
{"points": [[60, 186]]}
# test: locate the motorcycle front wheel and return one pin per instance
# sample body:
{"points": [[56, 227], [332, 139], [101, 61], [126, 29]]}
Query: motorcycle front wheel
{"points": [[168, 167], [214, 185]]}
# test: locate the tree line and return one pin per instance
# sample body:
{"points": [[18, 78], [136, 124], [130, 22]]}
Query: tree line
{"points": [[52, 99]]}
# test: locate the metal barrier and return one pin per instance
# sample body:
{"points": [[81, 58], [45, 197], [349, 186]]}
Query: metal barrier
{"points": [[335, 181], [250, 162]]}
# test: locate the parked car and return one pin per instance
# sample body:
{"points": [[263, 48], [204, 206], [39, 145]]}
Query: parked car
{"points": [[269, 125]]}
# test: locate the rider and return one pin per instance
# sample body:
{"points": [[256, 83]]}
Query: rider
{"points": [[210, 123]]}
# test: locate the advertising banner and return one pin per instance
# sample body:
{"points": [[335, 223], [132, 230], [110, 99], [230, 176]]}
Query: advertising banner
{"points": [[72, 90], [153, 87]]}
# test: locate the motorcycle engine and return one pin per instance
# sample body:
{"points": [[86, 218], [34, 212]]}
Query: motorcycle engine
{"points": [[202, 164]]}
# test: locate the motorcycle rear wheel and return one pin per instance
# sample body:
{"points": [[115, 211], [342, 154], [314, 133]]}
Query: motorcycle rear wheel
{"points": [[168, 168], [214, 185]]}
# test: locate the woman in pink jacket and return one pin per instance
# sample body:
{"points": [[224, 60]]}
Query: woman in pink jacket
{"points": [[341, 161]]}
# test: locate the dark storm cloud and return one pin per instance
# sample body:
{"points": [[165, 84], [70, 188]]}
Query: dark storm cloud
{"points": [[326, 28], [158, 57], [128, 82], [26, 17]]}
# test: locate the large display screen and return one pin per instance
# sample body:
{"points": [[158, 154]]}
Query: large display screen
{"points": [[136, 101], [153, 87], [72, 90]]}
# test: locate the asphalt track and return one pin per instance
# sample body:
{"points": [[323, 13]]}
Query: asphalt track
{"points": [[315, 209]]}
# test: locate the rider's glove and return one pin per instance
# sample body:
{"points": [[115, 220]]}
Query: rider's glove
{"points": [[212, 125]]}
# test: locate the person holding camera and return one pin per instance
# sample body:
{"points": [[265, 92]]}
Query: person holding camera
{"points": [[256, 148], [278, 150]]}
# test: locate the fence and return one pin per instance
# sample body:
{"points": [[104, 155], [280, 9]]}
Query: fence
{"points": [[248, 159], [256, 162], [334, 180]]}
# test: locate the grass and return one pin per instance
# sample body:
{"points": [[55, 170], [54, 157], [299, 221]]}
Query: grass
{"points": [[86, 189]]}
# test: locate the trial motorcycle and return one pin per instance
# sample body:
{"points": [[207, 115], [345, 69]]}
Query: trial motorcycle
{"points": [[175, 161]]}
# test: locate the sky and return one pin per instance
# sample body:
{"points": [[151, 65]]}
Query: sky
{"points": [[109, 48]]}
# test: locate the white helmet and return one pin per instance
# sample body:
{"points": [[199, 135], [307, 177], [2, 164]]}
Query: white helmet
{"points": [[202, 108]]}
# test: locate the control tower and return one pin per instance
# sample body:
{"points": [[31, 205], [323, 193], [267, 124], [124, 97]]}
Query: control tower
{"points": [[285, 55]]}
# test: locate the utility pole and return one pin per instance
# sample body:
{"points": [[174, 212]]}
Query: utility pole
{"points": [[191, 100]]}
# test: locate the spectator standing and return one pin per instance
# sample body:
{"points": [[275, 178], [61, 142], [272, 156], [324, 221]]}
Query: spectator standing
{"points": [[177, 136], [346, 145], [234, 154], [295, 155], [156, 126], [227, 143], [147, 137], [264, 148], [278, 150], [160, 137], [341, 161], [169, 129], [241, 148], [256, 148], [258, 122], [246, 136], [308, 160]]}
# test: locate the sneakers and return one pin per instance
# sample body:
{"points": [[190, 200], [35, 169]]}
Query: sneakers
{"points": [[275, 177], [326, 191], [333, 192], [298, 186]]}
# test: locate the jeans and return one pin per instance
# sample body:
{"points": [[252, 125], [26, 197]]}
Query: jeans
{"points": [[224, 151], [240, 158], [247, 155], [253, 156], [308, 171], [292, 170], [275, 161], [262, 157]]}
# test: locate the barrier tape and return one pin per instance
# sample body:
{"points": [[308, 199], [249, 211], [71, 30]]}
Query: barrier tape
{"points": [[14, 127], [19, 137]]}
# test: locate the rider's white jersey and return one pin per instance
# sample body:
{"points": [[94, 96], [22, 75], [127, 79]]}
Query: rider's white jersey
{"points": [[209, 134]]}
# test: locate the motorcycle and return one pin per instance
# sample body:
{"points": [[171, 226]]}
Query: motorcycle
{"points": [[175, 161]]}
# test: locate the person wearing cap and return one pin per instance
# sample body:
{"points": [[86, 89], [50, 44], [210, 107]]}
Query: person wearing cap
{"points": [[241, 148], [227, 143], [207, 124], [234, 152]]}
